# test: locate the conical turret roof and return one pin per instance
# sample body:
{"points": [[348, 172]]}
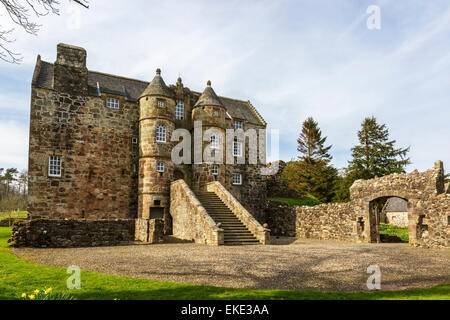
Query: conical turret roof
{"points": [[157, 87], [209, 98]]}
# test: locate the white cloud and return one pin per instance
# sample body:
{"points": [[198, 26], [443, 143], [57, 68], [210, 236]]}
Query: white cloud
{"points": [[13, 145], [292, 59]]}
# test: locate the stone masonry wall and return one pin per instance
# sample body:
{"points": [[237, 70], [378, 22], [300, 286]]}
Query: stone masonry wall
{"points": [[280, 218], [99, 160], [190, 221], [72, 233], [334, 221]]}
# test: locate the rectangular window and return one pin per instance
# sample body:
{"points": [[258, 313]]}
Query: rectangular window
{"points": [[215, 113], [215, 170], [160, 167], [160, 103], [54, 166], [237, 179], [134, 140], [112, 103], [237, 149], [238, 124], [179, 110]]}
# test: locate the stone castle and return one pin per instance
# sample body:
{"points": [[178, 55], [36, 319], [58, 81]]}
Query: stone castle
{"points": [[100, 167]]}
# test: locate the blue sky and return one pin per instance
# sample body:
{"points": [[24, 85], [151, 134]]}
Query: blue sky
{"points": [[292, 59]]}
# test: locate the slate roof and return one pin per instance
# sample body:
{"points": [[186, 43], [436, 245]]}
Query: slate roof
{"points": [[396, 205], [209, 98], [132, 89], [157, 87]]}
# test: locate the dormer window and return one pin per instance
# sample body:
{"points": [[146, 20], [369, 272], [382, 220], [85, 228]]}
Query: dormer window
{"points": [[238, 124], [179, 110], [161, 103], [112, 103], [215, 170], [161, 134]]}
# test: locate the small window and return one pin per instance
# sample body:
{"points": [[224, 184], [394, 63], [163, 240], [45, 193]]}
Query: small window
{"points": [[237, 149], [161, 134], [238, 124], [160, 167], [157, 202], [161, 103], [112, 103], [54, 166], [215, 170], [179, 110], [215, 113], [214, 140], [134, 140], [237, 179]]}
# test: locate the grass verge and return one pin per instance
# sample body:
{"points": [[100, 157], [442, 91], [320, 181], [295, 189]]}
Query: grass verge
{"points": [[13, 215], [18, 276], [401, 232]]}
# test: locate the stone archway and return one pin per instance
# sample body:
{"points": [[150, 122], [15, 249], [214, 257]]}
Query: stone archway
{"points": [[375, 220]]}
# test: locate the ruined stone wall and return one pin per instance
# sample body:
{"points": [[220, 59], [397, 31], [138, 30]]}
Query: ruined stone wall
{"points": [[149, 230], [399, 219], [45, 233], [99, 160], [432, 228], [280, 219], [334, 221], [190, 221]]}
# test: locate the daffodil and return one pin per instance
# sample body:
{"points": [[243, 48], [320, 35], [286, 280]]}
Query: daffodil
{"points": [[48, 291], [31, 296], [24, 295], [36, 291]]}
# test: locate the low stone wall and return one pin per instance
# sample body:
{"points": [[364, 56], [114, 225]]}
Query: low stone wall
{"points": [[280, 218], [72, 233], [190, 221], [333, 221], [9, 222], [399, 219], [261, 233], [149, 230]]}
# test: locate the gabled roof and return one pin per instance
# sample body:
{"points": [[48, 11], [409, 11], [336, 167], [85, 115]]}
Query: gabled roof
{"points": [[396, 205], [209, 98], [132, 89]]}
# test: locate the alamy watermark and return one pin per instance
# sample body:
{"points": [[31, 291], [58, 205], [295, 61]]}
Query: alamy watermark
{"points": [[74, 281], [374, 20], [235, 151], [374, 280]]}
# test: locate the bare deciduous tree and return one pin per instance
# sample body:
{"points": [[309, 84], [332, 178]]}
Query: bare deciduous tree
{"points": [[21, 12]]}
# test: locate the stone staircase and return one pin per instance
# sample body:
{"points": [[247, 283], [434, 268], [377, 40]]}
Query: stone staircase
{"points": [[235, 232]]}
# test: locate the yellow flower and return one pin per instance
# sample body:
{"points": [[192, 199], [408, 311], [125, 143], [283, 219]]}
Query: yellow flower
{"points": [[31, 296], [36, 291], [48, 291], [24, 295]]}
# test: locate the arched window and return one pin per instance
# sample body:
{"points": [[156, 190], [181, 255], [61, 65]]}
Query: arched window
{"points": [[214, 140], [161, 134], [179, 110]]}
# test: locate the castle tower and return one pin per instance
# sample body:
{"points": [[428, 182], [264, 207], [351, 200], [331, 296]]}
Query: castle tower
{"points": [[211, 112], [156, 124]]}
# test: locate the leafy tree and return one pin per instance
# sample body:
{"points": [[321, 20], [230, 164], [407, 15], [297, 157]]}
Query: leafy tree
{"points": [[311, 144], [10, 177], [19, 12], [376, 155]]}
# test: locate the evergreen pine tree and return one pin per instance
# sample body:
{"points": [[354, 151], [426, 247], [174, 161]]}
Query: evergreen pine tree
{"points": [[376, 155], [311, 144]]}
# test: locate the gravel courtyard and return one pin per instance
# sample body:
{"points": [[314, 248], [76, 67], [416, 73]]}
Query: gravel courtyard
{"points": [[287, 264]]}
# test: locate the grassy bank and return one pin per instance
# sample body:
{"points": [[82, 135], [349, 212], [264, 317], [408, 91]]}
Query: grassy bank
{"points": [[297, 202], [18, 276], [401, 232]]}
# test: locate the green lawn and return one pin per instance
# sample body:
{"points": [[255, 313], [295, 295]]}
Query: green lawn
{"points": [[15, 214], [309, 201], [18, 276], [401, 232]]}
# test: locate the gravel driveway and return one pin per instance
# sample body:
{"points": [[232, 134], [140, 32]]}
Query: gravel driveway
{"points": [[287, 264]]}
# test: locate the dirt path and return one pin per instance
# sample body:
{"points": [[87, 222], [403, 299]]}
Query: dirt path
{"points": [[289, 264]]}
